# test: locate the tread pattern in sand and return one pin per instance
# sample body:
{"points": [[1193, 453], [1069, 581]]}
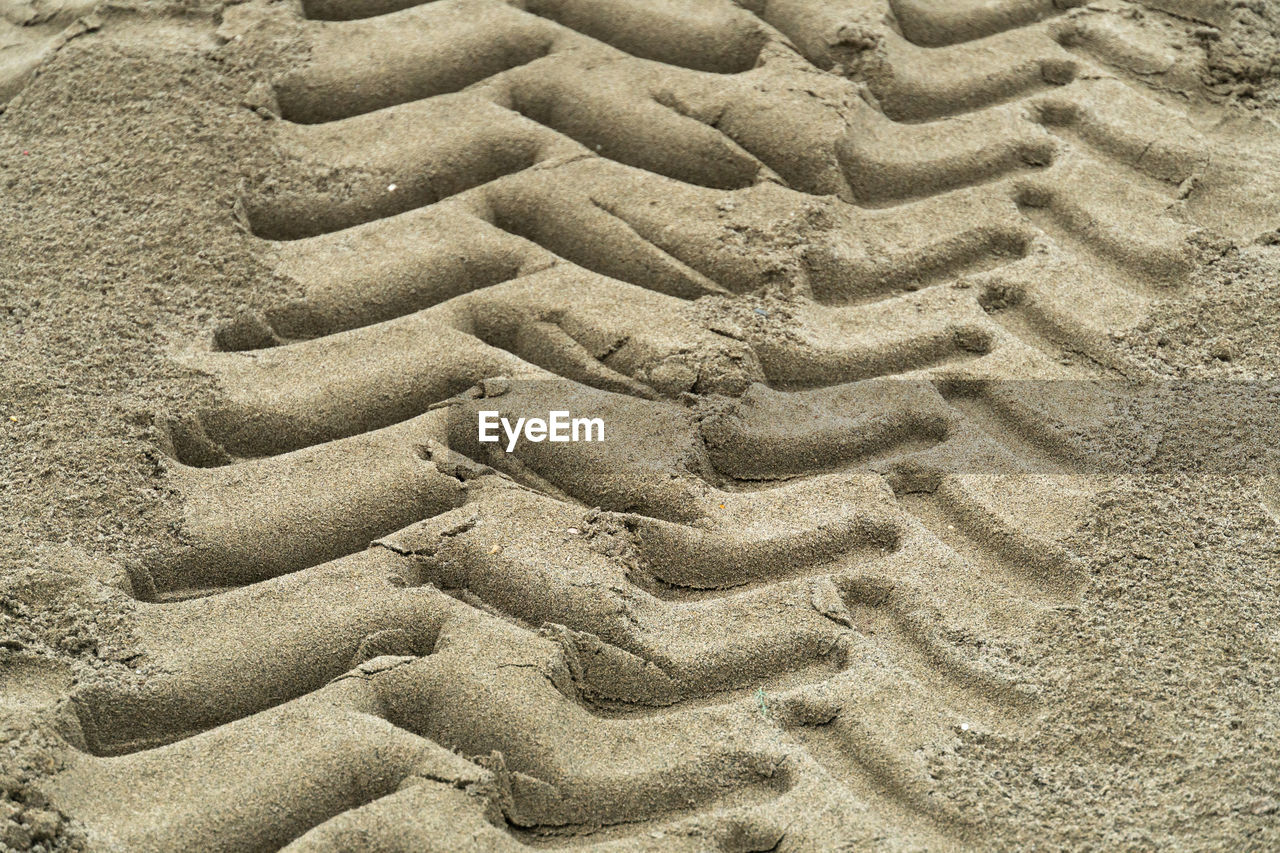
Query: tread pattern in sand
{"points": [[699, 630]]}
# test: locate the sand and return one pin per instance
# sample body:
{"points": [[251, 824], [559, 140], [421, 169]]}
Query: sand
{"points": [[935, 346]]}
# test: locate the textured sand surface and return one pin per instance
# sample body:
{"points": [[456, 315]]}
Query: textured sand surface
{"points": [[936, 342]]}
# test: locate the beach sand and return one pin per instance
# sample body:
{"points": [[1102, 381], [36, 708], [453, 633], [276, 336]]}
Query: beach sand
{"points": [[934, 344]]}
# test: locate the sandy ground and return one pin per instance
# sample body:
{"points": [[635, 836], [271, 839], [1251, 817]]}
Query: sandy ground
{"points": [[845, 281]]}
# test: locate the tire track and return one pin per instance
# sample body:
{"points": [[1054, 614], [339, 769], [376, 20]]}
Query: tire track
{"points": [[810, 514], [1058, 105], [654, 655]]}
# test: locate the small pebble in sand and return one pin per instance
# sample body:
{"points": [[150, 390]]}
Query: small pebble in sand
{"points": [[1263, 807], [573, 530], [391, 188], [1222, 350]]}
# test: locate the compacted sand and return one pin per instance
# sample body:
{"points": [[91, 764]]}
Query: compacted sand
{"points": [[936, 344]]}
